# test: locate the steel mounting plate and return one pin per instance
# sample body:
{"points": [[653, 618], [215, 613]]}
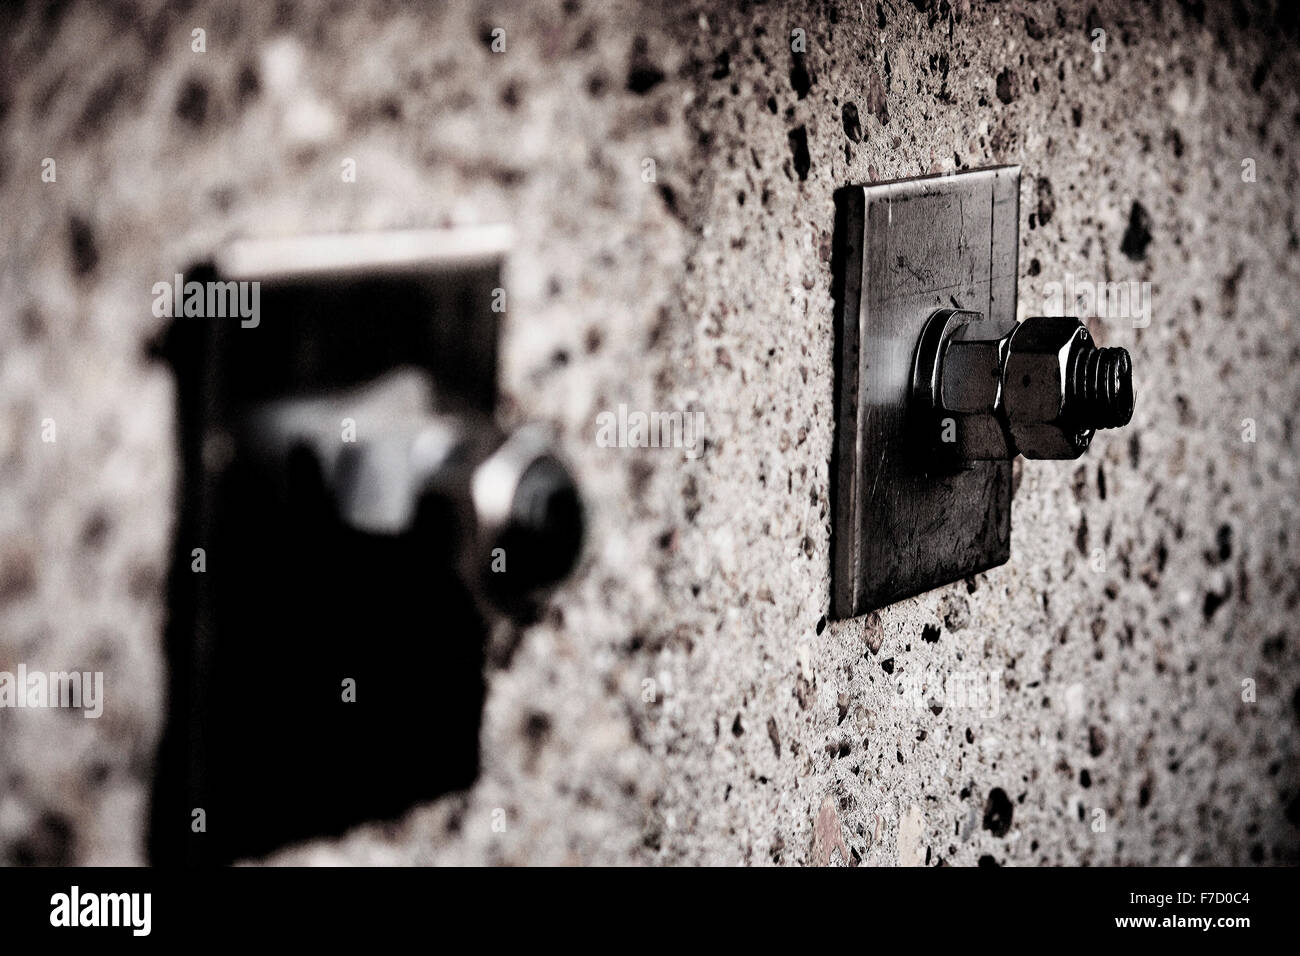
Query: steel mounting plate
{"points": [[288, 596], [903, 522]]}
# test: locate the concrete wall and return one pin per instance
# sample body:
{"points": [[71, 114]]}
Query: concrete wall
{"points": [[1098, 677]]}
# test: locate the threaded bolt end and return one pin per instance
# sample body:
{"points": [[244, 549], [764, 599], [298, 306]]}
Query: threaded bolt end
{"points": [[1101, 388]]}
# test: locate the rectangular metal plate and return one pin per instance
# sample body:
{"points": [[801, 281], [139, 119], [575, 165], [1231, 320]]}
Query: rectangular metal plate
{"points": [[290, 605], [902, 250]]}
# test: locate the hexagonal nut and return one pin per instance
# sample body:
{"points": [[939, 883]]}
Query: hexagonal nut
{"points": [[1034, 387]]}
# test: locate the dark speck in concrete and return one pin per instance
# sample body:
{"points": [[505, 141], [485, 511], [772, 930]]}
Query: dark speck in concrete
{"points": [[95, 530], [997, 812], [1006, 85], [722, 65], [192, 102], [800, 79], [1223, 543], [1175, 141], [852, 123], [537, 728], [1229, 285], [799, 151], [1214, 601], [669, 196], [1096, 741], [1046, 201], [1138, 234], [82, 246], [643, 76], [247, 83], [1261, 74]]}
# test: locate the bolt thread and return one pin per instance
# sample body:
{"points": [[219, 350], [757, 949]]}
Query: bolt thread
{"points": [[1101, 388]]}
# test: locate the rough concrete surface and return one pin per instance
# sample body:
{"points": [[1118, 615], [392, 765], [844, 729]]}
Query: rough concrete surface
{"points": [[1082, 704]]}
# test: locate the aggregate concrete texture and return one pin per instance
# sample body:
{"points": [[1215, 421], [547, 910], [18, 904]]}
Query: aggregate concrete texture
{"points": [[1125, 691]]}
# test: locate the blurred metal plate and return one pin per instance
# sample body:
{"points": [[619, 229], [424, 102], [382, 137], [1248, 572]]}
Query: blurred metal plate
{"points": [[290, 597], [904, 522]]}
